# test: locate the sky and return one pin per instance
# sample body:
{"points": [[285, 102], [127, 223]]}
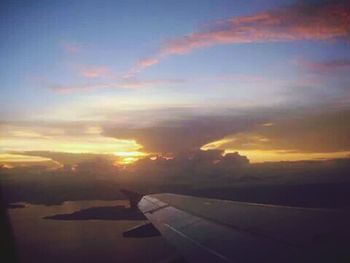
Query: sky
{"points": [[268, 79]]}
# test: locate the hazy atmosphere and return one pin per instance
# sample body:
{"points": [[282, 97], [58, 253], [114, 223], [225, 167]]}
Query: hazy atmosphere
{"points": [[239, 100]]}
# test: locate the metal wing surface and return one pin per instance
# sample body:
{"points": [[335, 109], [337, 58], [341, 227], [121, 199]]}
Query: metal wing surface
{"points": [[210, 230]]}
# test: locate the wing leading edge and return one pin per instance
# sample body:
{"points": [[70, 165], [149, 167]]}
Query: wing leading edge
{"points": [[210, 230]]}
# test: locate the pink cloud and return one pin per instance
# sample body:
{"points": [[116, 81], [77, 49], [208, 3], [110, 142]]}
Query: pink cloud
{"points": [[300, 22], [94, 72], [325, 21], [141, 64], [146, 62], [329, 66], [71, 47]]}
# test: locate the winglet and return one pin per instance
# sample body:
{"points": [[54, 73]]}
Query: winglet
{"points": [[133, 197]]}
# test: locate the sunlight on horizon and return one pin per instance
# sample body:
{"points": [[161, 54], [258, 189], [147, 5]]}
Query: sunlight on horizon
{"points": [[12, 158], [273, 155], [126, 158], [14, 148]]}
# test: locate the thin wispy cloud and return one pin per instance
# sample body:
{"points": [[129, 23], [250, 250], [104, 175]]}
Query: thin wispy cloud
{"points": [[141, 64], [71, 47], [124, 84], [135, 83], [325, 66], [302, 21], [66, 89], [94, 72]]}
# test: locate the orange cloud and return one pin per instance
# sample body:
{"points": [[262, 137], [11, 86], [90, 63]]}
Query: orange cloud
{"points": [[323, 21]]}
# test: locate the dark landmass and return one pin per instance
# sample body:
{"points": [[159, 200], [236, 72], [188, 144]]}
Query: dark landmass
{"points": [[101, 213]]}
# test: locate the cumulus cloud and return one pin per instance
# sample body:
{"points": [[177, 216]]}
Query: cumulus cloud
{"points": [[197, 163], [306, 20], [100, 165]]}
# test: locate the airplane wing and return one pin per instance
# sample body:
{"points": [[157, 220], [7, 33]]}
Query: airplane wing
{"points": [[209, 230]]}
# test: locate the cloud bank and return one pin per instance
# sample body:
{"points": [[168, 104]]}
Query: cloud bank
{"points": [[283, 132]]}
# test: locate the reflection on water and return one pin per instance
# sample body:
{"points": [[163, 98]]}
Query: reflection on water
{"points": [[43, 240]]}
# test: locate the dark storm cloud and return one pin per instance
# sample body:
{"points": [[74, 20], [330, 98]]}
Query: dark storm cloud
{"points": [[302, 130], [323, 132], [185, 134], [314, 132]]}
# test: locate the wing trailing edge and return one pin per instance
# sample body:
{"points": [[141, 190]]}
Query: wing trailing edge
{"points": [[209, 230]]}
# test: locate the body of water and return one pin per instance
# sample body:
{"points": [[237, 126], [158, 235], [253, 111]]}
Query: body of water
{"points": [[46, 240]]}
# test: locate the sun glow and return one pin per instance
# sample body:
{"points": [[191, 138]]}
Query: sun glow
{"points": [[11, 158], [129, 157], [126, 160], [271, 155], [89, 141]]}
